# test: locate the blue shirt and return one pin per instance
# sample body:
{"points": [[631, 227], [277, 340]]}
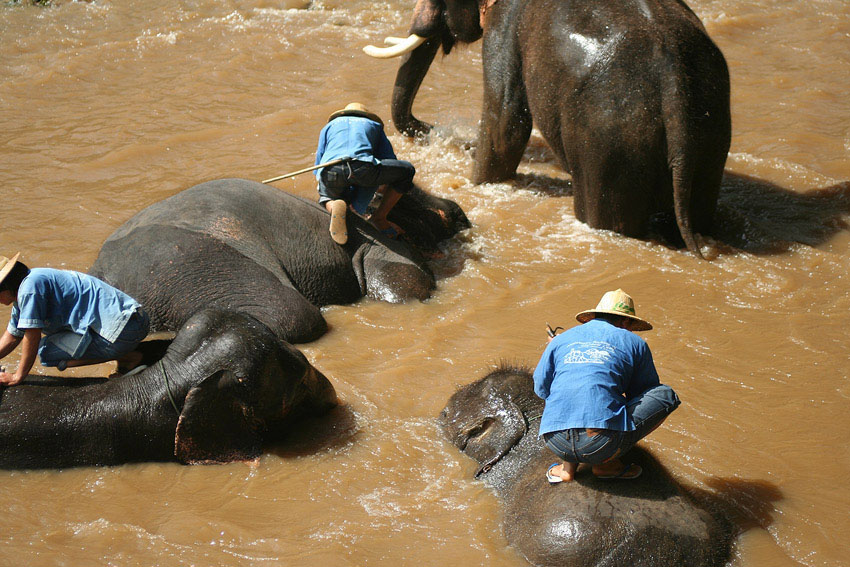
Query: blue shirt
{"points": [[58, 301], [588, 373], [353, 137]]}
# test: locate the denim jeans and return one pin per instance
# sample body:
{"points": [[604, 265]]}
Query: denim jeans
{"points": [[355, 181], [134, 331], [581, 446]]}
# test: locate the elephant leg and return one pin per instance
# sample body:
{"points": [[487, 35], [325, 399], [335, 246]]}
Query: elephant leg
{"points": [[505, 117]]}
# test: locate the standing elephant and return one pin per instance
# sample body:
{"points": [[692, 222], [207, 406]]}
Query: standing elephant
{"points": [[586, 523], [632, 97], [245, 246], [224, 385]]}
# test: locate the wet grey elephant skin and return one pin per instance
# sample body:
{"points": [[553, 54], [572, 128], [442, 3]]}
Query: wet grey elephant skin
{"points": [[648, 522], [244, 246], [225, 386], [631, 96]]}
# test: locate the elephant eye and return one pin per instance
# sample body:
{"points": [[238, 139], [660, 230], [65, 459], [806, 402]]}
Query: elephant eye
{"points": [[481, 428]]}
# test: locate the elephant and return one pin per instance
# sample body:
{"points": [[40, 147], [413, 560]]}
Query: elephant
{"points": [[647, 522], [241, 245], [632, 98], [223, 386]]}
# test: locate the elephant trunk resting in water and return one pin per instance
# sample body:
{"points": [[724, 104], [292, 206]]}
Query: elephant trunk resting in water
{"points": [[632, 97], [243, 246], [225, 384], [586, 523]]}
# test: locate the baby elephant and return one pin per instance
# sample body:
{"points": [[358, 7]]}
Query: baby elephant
{"points": [[224, 386], [586, 523]]}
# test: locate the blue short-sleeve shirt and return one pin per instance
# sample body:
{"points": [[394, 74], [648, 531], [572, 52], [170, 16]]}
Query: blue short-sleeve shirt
{"points": [[353, 137], [588, 373], [57, 301]]}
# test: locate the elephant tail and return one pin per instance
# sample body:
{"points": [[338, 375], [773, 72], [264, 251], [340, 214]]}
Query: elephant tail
{"points": [[683, 183], [682, 153]]}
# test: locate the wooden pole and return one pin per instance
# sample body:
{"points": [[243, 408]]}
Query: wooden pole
{"points": [[306, 169]]}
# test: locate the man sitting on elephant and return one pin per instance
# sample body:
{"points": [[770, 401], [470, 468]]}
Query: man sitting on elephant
{"points": [[356, 136], [601, 390], [84, 320]]}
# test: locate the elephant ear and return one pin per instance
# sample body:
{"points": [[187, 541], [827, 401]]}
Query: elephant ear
{"points": [[496, 434], [216, 426]]}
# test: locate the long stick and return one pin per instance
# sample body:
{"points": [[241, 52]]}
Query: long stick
{"points": [[306, 169]]}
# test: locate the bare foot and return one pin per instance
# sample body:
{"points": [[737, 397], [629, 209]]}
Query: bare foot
{"points": [[389, 228], [567, 471], [338, 230]]}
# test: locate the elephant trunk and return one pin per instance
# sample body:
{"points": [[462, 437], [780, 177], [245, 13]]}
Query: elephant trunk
{"points": [[411, 72]]}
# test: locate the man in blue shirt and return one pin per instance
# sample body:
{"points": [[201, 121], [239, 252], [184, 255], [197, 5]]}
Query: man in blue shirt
{"points": [[83, 320], [357, 136], [601, 390]]}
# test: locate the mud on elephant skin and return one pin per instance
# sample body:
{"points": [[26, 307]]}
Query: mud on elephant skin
{"points": [[632, 97], [245, 246], [225, 385], [647, 522]]}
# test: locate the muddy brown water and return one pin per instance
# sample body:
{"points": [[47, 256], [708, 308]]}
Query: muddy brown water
{"points": [[107, 107]]}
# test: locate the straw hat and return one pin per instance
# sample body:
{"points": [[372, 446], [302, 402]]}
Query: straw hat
{"points": [[616, 303], [356, 109], [6, 265]]}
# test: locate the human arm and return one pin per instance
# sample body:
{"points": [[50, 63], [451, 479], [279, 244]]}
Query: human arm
{"points": [[29, 349], [8, 343], [544, 373], [644, 375], [384, 149]]}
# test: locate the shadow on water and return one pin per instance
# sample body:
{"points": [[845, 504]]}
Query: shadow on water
{"points": [[753, 215], [761, 217], [748, 504], [312, 435]]}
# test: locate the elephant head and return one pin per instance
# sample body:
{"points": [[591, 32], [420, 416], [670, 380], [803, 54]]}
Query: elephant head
{"points": [[489, 417], [435, 23], [239, 385]]}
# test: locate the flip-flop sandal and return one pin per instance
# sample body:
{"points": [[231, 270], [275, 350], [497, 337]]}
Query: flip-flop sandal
{"points": [[630, 472], [553, 479], [390, 232], [338, 230]]}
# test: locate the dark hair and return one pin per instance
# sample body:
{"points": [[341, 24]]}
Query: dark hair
{"points": [[612, 318], [13, 280]]}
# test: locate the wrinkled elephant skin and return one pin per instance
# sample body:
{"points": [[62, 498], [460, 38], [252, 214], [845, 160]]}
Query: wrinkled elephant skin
{"points": [[225, 385], [244, 246], [648, 522], [632, 97]]}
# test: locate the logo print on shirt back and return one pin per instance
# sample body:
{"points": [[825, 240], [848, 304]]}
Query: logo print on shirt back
{"points": [[595, 352]]}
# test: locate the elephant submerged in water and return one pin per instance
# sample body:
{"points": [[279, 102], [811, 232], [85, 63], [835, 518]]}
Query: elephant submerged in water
{"points": [[244, 246], [586, 523], [632, 97], [225, 385]]}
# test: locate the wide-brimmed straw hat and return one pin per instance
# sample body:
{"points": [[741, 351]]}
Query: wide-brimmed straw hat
{"points": [[6, 265], [615, 303], [356, 109]]}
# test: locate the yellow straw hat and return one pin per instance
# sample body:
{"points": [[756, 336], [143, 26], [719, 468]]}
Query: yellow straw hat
{"points": [[356, 109], [6, 265], [615, 303]]}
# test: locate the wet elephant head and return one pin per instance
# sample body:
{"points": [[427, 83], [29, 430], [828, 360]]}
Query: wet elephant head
{"points": [[435, 23], [487, 418], [240, 385]]}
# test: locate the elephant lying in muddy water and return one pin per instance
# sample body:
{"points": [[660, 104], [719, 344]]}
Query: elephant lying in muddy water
{"points": [[244, 246], [632, 97], [225, 385], [589, 522]]}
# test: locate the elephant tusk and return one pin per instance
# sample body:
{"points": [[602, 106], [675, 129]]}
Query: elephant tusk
{"points": [[400, 47]]}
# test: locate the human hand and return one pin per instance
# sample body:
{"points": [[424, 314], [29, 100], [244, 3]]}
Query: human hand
{"points": [[9, 379]]}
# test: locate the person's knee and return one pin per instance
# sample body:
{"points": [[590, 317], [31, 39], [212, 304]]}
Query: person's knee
{"points": [[666, 395]]}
